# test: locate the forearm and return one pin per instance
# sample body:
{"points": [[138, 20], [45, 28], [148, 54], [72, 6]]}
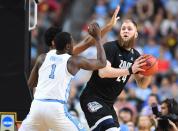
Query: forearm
{"points": [[175, 128], [101, 56], [83, 45], [110, 72], [142, 81], [89, 40]]}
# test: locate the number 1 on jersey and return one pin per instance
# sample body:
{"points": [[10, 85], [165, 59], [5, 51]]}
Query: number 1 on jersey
{"points": [[53, 66]]}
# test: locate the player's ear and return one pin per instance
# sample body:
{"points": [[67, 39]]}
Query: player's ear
{"points": [[136, 34], [67, 46], [53, 45]]}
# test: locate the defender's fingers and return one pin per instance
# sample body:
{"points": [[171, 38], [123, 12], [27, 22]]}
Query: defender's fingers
{"points": [[117, 10], [117, 18]]}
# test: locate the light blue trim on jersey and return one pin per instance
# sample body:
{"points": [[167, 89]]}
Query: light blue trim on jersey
{"points": [[74, 120], [52, 100], [68, 90]]}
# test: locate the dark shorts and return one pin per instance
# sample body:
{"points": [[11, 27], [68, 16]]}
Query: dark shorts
{"points": [[100, 116]]}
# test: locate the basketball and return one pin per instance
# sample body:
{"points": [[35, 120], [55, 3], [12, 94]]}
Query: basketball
{"points": [[151, 66]]}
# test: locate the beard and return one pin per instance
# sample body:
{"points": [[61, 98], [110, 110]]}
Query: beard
{"points": [[126, 44]]}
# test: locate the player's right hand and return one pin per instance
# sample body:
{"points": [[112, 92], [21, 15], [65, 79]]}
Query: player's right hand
{"points": [[95, 31], [139, 62]]}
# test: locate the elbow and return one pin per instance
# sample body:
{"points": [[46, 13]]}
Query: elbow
{"points": [[101, 74], [103, 64], [31, 85]]}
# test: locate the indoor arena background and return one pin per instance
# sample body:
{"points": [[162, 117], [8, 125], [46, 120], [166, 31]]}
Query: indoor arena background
{"points": [[158, 35]]}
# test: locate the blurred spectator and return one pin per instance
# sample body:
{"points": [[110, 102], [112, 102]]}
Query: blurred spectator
{"points": [[164, 60], [153, 45], [131, 126], [174, 62], [145, 9], [168, 24], [165, 89], [145, 123], [133, 99], [122, 102], [152, 100], [101, 8], [168, 115], [125, 116], [171, 6]]}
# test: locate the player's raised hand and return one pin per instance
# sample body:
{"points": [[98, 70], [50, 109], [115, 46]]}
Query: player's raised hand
{"points": [[114, 18], [95, 31]]}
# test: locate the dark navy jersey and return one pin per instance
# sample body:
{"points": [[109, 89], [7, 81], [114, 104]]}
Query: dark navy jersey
{"points": [[109, 88]]}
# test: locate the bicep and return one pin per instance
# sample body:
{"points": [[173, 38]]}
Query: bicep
{"points": [[33, 79], [80, 62], [88, 64], [76, 63]]}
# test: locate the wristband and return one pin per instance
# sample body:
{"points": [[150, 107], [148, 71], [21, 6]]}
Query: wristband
{"points": [[130, 70]]}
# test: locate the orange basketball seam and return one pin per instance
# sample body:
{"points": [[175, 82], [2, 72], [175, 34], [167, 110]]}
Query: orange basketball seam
{"points": [[152, 64]]}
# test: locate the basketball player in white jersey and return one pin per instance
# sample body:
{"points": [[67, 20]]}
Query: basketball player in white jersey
{"points": [[55, 71]]}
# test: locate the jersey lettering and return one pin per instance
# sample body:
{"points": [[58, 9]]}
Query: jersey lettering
{"points": [[123, 65]]}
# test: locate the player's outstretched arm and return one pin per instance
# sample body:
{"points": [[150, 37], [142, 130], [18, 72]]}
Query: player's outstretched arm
{"points": [[77, 62], [33, 79], [111, 72], [88, 40]]}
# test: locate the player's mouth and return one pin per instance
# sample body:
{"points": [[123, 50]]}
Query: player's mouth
{"points": [[126, 36]]}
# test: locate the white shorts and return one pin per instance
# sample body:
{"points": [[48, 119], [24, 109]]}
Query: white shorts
{"points": [[47, 115]]}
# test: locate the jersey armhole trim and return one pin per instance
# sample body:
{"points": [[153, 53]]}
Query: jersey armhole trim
{"points": [[68, 73]]}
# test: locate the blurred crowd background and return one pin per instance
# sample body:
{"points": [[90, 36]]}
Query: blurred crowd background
{"points": [[158, 35]]}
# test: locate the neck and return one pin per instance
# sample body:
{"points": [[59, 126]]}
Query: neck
{"points": [[128, 49], [60, 52]]}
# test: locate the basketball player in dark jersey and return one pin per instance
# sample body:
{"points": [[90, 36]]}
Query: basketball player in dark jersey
{"points": [[106, 84]]}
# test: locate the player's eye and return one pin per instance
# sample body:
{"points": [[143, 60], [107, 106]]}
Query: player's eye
{"points": [[123, 28], [129, 28]]}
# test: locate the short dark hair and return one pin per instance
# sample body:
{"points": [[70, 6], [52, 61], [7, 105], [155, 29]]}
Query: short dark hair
{"points": [[50, 34], [172, 105], [62, 39], [126, 109], [156, 96]]}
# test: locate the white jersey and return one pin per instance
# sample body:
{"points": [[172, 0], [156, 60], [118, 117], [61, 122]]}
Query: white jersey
{"points": [[54, 78]]}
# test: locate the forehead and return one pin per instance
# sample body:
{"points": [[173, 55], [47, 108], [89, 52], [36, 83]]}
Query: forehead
{"points": [[163, 105], [128, 23]]}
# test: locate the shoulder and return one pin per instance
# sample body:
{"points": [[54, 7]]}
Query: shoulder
{"points": [[110, 45], [41, 56], [135, 52], [40, 60]]}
